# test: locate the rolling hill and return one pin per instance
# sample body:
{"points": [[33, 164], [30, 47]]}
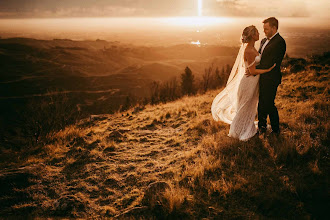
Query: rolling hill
{"points": [[173, 161], [36, 68]]}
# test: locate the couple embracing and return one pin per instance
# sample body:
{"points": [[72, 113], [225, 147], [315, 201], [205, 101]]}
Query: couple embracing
{"points": [[252, 84]]}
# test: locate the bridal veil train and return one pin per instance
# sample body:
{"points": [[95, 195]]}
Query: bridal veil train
{"points": [[237, 103]]}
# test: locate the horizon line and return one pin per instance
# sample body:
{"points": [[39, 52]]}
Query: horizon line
{"points": [[193, 16]]}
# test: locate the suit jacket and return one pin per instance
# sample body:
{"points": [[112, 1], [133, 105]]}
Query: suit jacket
{"points": [[272, 53]]}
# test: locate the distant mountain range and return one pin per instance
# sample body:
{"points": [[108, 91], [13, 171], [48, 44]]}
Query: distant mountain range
{"points": [[38, 65]]}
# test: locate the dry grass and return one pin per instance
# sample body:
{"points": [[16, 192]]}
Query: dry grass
{"points": [[100, 167]]}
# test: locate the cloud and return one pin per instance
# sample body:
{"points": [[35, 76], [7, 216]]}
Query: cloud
{"points": [[102, 8], [280, 8], [91, 8], [93, 12]]}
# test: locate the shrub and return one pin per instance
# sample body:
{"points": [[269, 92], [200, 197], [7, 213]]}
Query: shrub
{"points": [[297, 68], [47, 114], [187, 82]]}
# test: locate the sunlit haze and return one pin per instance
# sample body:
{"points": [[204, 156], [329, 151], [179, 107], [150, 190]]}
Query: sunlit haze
{"points": [[162, 8], [163, 23], [161, 31], [200, 6]]}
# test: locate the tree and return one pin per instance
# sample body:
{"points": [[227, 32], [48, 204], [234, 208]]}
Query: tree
{"points": [[219, 81], [154, 90], [187, 80], [43, 115], [165, 91], [127, 104], [207, 77], [225, 73], [173, 89], [228, 70]]}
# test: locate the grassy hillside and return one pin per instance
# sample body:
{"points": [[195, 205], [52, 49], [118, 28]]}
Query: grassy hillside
{"points": [[87, 77], [173, 161]]}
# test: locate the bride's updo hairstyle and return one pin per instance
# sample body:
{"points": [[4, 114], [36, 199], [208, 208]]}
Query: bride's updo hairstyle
{"points": [[248, 32]]}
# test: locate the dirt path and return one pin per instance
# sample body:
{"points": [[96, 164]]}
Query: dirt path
{"points": [[112, 91]]}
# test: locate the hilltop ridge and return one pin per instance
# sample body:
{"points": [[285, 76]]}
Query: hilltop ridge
{"points": [[173, 161]]}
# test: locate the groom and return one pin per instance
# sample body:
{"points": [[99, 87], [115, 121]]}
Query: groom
{"points": [[272, 50]]}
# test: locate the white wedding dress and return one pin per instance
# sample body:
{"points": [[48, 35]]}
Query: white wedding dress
{"points": [[237, 103]]}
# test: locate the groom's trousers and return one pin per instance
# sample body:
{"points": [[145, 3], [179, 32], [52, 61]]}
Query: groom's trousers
{"points": [[266, 106]]}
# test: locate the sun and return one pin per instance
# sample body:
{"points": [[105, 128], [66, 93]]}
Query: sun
{"points": [[200, 5], [196, 21]]}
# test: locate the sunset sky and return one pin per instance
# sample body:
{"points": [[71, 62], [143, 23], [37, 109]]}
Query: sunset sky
{"points": [[162, 8]]}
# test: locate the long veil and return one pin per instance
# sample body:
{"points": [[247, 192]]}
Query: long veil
{"points": [[224, 106]]}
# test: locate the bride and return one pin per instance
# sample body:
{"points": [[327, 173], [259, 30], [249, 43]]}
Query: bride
{"points": [[237, 103]]}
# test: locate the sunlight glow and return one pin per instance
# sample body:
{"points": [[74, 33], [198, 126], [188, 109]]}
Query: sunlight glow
{"points": [[196, 43], [200, 5], [196, 21]]}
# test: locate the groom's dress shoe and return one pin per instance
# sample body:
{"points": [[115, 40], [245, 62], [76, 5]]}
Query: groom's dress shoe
{"points": [[275, 133], [261, 131]]}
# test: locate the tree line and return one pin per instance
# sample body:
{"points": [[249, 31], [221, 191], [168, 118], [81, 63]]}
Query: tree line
{"points": [[187, 84]]}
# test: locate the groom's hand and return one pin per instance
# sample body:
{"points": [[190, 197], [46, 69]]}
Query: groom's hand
{"points": [[247, 72]]}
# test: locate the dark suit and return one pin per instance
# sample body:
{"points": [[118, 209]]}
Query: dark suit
{"points": [[268, 83]]}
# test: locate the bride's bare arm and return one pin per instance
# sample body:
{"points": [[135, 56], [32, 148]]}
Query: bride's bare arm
{"points": [[250, 57]]}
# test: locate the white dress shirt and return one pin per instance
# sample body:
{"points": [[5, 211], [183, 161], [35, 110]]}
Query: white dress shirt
{"points": [[263, 46]]}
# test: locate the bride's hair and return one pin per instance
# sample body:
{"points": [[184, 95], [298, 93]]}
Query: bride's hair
{"points": [[248, 32]]}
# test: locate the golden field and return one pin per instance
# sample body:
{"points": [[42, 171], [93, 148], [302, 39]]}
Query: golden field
{"points": [[173, 161]]}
